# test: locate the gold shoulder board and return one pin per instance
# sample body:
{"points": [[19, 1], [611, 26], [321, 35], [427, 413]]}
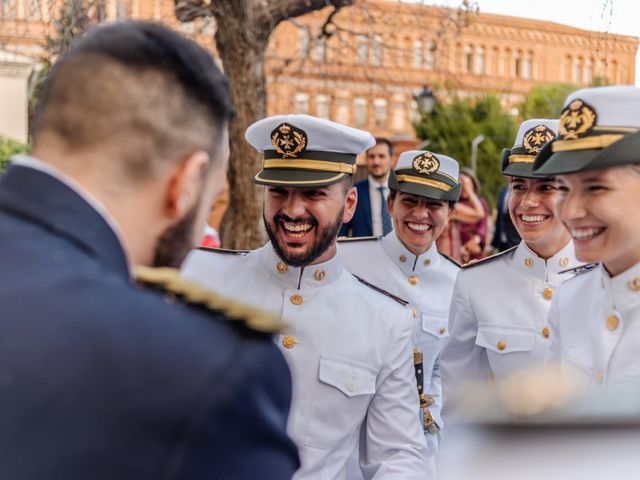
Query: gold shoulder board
{"points": [[580, 268], [223, 250], [382, 291], [357, 239], [452, 260], [170, 280], [484, 261]]}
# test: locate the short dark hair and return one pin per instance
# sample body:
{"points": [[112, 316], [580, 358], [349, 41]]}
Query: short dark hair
{"points": [[137, 88], [387, 142]]}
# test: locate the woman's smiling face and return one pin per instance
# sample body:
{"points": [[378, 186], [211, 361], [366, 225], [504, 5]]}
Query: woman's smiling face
{"points": [[531, 206], [600, 210]]}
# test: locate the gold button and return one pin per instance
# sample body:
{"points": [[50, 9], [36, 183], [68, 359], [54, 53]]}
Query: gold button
{"points": [[564, 262], [634, 284], [288, 341], [319, 275], [548, 293], [529, 262], [599, 377], [545, 332], [296, 299], [612, 322], [442, 330], [402, 258], [413, 280], [427, 262], [501, 345], [282, 267], [414, 312]]}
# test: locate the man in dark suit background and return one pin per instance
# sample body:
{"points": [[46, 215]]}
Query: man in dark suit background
{"points": [[100, 377], [371, 216]]}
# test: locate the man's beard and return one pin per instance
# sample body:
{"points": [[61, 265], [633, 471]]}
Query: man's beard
{"points": [[324, 239], [175, 243]]}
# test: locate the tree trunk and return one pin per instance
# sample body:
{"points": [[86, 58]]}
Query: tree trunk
{"points": [[242, 47]]}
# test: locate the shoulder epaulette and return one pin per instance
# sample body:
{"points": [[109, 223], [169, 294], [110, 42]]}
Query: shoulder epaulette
{"points": [[223, 250], [452, 260], [382, 291], [580, 268], [170, 280], [357, 239], [483, 261]]}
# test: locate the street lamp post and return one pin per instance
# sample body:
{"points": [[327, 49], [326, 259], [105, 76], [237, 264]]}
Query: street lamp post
{"points": [[426, 100], [474, 152]]}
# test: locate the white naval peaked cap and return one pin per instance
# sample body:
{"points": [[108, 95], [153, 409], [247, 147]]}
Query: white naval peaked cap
{"points": [[598, 127], [428, 174], [532, 136], [306, 151]]}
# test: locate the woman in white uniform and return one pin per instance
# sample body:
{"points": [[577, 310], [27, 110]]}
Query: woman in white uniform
{"points": [[595, 318], [498, 315], [423, 190]]}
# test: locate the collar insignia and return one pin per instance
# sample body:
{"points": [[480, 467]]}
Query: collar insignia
{"points": [[288, 140], [576, 120], [426, 163], [535, 138]]}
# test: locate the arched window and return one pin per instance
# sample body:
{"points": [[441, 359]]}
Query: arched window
{"points": [[480, 61], [467, 59], [377, 50], [430, 62], [363, 49], [360, 112], [380, 112], [417, 54], [322, 106], [301, 103]]}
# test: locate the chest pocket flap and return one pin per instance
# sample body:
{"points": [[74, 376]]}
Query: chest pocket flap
{"points": [[436, 323], [500, 339], [351, 378]]}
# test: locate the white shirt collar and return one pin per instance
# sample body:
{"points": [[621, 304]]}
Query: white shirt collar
{"points": [[28, 161], [311, 276], [623, 289], [547, 270], [407, 261]]}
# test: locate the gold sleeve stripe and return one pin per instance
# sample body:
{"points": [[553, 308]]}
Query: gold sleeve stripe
{"points": [[311, 165]]}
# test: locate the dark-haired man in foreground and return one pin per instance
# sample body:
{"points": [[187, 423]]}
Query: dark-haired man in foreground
{"points": [[102, 377]]}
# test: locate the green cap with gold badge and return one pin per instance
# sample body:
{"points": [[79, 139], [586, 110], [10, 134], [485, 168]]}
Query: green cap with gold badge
{"points": [[599, 127], [427, 174], [305, 151], [532, 136]]}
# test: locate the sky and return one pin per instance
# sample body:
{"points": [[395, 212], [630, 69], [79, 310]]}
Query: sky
{"points": [[613, 16]]}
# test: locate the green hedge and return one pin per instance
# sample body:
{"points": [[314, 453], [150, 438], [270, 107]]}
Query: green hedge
{"points": [[8, 148]]}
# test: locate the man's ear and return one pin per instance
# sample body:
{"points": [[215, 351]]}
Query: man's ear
{"points": [[350, 202], [185, 184]]}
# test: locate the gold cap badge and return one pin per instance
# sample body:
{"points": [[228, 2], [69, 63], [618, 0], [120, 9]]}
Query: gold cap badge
{"points": [[535, 138], [426, 163], [576, 120], [288, 140]]}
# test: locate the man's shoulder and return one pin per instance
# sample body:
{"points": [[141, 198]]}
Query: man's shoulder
{"points": [[362, 183], [169, 282]]}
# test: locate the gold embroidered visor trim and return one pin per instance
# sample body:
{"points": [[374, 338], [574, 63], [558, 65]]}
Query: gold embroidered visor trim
{"points": [[521, 158], [424, 181], [310, 165], [585, 143], [285, 183]]}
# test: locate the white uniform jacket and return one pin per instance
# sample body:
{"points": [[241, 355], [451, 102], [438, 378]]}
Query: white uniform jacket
{"points": [[425, 281], [498, 315], [595, 327], [349, 351]]}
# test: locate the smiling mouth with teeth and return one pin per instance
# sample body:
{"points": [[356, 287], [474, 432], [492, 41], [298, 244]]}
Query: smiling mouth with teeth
{"points": [[296, 230], [419, 227], [586, 233], [531, 218]]}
